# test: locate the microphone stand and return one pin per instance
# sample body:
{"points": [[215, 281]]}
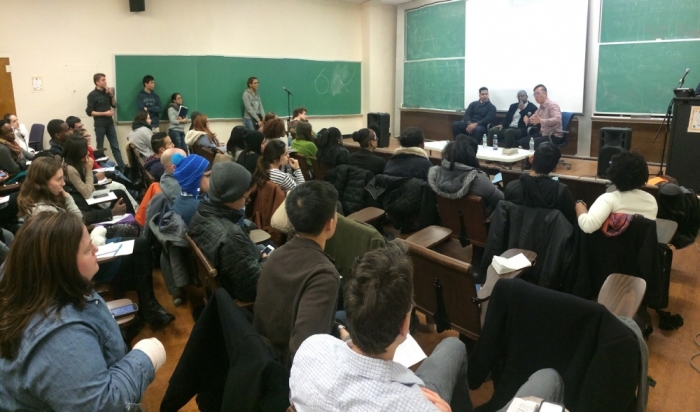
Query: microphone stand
{"points": [[667, 122], [289, 108]]}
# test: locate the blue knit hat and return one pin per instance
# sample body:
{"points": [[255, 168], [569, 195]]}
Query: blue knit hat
{"points": [[189, 172]]}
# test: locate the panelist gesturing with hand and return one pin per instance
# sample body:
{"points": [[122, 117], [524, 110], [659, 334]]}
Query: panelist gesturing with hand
{"points": [[547, 116]]}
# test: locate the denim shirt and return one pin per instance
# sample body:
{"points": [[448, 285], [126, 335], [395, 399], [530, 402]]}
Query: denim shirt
{"points": [[74, 360]]}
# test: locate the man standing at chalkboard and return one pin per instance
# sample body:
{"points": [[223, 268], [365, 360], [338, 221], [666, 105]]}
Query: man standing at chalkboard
{"points": [[476, 118], [100, 105], [148, 100]]}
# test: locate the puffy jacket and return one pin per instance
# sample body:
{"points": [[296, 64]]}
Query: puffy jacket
{"points": [[402, 198], [228, 247], [350, 182], [544, 231], [463, 180], [682, 206]]}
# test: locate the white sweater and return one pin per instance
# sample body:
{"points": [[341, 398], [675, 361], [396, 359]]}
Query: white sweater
{"points": [[633, 202]]}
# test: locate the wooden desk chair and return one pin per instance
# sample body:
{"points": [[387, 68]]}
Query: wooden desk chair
{"points": [[459, 290], [367, 215], [303, 166], [492, 277], [138, 164], [11, 188], [207, 274], [465, 217], [205, 271], [622, 295], [430, 236], [319, 168]]}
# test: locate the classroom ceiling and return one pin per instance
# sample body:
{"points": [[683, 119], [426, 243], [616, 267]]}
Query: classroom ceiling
{"points": [[380, 1]]}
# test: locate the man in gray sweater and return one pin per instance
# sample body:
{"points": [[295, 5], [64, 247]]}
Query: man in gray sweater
{"points": [[168, 184]]}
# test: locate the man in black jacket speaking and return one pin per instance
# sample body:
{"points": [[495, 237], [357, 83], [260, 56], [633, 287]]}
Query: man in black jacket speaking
{"points": [[476, 118], [512, 128]]}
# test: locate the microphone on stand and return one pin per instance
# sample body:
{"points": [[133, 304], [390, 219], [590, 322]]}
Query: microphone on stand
{"points": [[680, 82], [285, 89]]}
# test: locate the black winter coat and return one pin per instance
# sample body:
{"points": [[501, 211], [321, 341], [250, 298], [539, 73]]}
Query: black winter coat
{"points": [[634, 252], [350, 182], [227, 365], [682, 207], [228, 248], [403, 198], [528, 328], [544, 231]]}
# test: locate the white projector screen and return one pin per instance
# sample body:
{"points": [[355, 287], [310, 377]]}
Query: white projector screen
{"points": [[517, 44]]}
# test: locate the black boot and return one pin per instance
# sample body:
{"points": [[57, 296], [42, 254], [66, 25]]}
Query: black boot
{"points": [[151, 311]]}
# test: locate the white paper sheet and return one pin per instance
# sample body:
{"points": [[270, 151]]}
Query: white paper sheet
{"points": [[103, 181], [93, 201], [116, 219], [4, 199], [503, 265], [102, 159], [521, 405], [409, 353], [103, 169], [115, 249]]}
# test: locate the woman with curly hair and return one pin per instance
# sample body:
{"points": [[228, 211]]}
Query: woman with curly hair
{"points": [[628, 172]]}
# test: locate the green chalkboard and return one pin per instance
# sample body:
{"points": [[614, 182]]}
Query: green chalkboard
{"points": [[435, 31], [640, 77], [434, 84], [638, 20], [214, 84]]}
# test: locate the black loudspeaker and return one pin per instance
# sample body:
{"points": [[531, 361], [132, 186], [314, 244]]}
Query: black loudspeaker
{"points": [[137, 5], [612, 141], [379, 122]]}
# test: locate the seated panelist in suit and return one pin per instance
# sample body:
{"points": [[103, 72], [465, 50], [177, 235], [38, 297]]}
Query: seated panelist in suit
{"points": [[477, 117], [512, 128]]}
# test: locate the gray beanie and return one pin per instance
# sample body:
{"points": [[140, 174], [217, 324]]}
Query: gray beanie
{"points": [[228, 182]]}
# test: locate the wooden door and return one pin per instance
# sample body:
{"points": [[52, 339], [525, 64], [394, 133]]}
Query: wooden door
{"points": [[7, 95]]}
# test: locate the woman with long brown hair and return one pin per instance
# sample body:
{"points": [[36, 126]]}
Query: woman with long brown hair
{"points": [[201, 134], [60, 347], [268, 168], [43, 192]]}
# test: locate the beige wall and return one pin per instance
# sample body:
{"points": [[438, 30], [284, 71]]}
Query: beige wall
{"points": [[66, 41]]}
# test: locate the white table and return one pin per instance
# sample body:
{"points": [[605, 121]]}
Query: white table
{"points": [[483, 153], [487, 153], [437, 145]]}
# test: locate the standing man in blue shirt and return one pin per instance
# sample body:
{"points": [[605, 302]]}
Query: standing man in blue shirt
{"points": [[148, 100], [476, 118], [100, 105]]}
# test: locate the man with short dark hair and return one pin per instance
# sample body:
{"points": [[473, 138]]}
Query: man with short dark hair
{"points": [[547, 116], [378, 302], [58, 132], [477, 117], [160, 142], [148, 100], [74, 123], [20, 130], [100, 106], [299, 284], [538, 189]]}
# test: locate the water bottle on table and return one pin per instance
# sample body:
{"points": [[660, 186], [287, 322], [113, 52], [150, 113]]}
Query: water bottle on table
{"points": [[532, 145], [495, 142], [484, 142]]}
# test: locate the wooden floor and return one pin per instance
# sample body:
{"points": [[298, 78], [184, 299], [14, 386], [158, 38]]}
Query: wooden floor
{"points": [[677, 388]]}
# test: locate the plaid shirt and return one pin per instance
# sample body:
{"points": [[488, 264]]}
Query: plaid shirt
{"points": [[327, 375]]}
